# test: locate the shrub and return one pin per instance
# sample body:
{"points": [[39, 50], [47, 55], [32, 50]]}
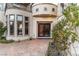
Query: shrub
{"points": [[64, 32], [2, 29]]}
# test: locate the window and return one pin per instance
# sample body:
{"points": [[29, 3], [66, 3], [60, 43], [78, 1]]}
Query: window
{"points": [[6, 23], [53, 9], [12, 17], [37, 9], [19, 24], [26, 19], [1, 6], [6, 18], [45, 9], [44, 29], [11, 24], [62, 6], [26, 25]]}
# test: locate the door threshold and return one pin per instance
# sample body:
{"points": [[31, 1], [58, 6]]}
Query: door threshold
{"points": [[44, 38]]}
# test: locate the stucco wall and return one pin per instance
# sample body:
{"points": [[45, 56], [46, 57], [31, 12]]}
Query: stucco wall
{"points": [[35, 25], [33, 32], [41, 6]]}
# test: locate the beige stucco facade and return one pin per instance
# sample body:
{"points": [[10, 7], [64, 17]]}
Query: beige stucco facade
{"points": [[34, 17]]}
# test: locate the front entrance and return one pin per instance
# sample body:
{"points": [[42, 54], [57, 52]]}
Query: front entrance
{"points": [[44, 29]]}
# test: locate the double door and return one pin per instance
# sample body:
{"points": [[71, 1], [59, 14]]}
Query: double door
{"points": [[44, 29]]}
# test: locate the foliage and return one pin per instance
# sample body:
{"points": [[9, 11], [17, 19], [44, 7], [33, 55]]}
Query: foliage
{"points": [[2, 29], [64, 32], [6, 41], [51, 50]]}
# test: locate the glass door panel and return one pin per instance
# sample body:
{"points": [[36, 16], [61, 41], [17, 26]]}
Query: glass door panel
{"points": [[44, 30]]}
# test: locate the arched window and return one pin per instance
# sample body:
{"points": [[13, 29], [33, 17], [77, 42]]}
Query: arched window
{"points": [[37, 9], [45, 9], [53, 9]]}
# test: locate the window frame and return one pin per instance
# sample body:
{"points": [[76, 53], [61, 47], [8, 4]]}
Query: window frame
{"points": [[6, 24], [17, 24], [45, 9], [1, 8], [37, 9], [28, 25], [13, 25]]}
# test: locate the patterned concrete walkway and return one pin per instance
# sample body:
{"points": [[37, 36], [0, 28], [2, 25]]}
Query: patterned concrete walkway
{"points": [[36, 47]]}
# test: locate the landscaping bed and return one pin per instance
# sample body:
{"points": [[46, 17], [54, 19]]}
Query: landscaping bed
{"points": [[52, 51], [6, 41], [3, 40]]}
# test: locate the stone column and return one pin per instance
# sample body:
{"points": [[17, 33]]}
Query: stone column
{"points": [[51, 24], [23, 26], [15, 26], [8, 26]]}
